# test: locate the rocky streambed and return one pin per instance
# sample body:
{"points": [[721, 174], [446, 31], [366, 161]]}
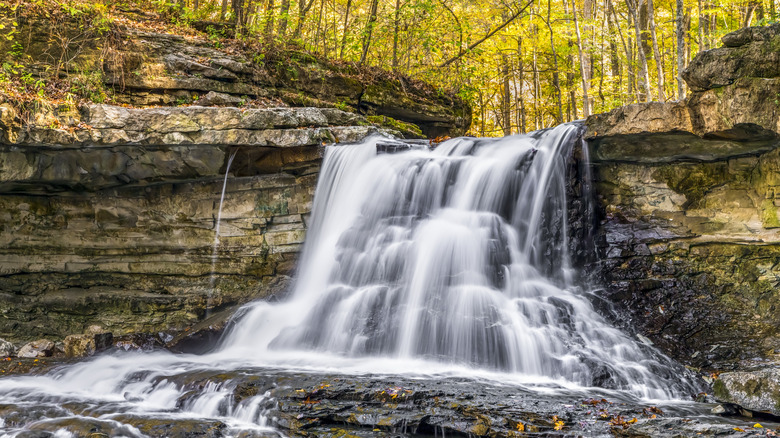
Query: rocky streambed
{"points": [[187, 398]]}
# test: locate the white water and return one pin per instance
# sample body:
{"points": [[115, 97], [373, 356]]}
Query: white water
{"points": [[215, 246], [444, 262]]}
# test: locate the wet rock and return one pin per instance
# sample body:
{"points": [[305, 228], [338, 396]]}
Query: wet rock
{"points": [[203, 336], [39, 348], [7, 349], [95, 339], [138, 342], [689, 208], [754, 390]]}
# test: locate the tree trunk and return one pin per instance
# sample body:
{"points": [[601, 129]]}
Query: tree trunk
{"points": [[751, 9], [614, 55], [659, 62], [680, 51], [583, 67], [396, 26], [303, 9], [644, 75], [537, 84], [269, 21], [284, 15], [506, 98], [520, 79], [556, 77], [369, 30], [626, 49], [239, 20], [223, 13], [701, 26], [346, 23], [318, 31]]}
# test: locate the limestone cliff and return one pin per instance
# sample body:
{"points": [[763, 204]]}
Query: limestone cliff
{"points": [[689, 196], [111, 220]]}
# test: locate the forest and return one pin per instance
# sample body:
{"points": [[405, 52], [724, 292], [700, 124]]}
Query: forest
{"points": [[522, 65]]}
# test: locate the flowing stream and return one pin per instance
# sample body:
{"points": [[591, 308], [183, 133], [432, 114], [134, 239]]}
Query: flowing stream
{"points": [[426, 265]]}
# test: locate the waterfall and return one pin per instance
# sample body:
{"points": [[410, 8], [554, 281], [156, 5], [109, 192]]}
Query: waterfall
{"points": [[458, 256]]}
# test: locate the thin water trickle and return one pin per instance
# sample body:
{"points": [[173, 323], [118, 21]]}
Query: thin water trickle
{"points": [[451, 262], [215, 247]]}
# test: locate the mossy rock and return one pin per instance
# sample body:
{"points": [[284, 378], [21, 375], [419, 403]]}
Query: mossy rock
{"points": [[409, 130]]}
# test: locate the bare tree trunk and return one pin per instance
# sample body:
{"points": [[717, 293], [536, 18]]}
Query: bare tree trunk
{"points": [[627, 50], [319, 34], [701, 27], [506, 98], [602, 69], [520, 79], [269, 21], [284, 15], [369, 30], [583, 67], [396, 26], [223, 13], [346, 23], [644, 75], [537, 87], [303, 9], [751, 9], [240, 16], [613, 51], [659, 62], [680, 51], [556, 77], [482, 113], [571, 111]]}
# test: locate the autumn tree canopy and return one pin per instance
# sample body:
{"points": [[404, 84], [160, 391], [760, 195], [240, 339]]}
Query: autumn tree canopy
{"points": [[523, 64]]}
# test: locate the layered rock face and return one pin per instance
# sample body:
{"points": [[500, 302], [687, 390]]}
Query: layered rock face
{"points": [[690, 205], [112, 220], [142, 68]]}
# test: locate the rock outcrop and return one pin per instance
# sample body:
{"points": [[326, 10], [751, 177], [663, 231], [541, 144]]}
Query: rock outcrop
{"points": [[111, 218], [689, 197], [144, 68]]}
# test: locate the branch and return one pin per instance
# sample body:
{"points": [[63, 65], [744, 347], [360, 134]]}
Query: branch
{"points": [[490, 34]]}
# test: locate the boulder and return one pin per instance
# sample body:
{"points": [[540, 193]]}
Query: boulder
{"points": [[751, 52], [755, 390], [95, 339], [7, 349], [212, 98], [35, 349]]}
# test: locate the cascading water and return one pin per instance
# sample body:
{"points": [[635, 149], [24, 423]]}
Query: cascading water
{"points": [[428, 262], [457, 255]]}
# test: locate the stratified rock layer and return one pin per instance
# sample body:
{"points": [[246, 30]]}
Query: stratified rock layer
{"points": [[690, 205], [112, 219], [143, 68]]}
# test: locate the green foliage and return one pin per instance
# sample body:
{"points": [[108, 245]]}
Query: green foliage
{"points": [[89, 85]]}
